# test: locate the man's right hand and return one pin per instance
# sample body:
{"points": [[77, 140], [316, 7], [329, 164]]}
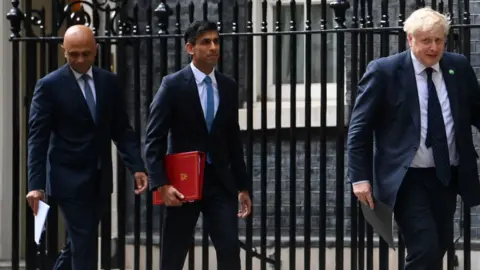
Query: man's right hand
{"points": [[363, 191], [33, 197], [171, 196]]}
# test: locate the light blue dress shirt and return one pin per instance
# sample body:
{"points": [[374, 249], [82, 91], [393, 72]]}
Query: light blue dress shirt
{"points": [[202, 88]]}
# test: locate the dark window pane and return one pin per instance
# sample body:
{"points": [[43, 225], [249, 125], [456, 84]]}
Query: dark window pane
{"points": [[300, 45]]}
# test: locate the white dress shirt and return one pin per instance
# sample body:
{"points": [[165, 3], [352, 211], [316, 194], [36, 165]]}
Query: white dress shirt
{"points": [[424, 155], [202, 88], [81, 82]]}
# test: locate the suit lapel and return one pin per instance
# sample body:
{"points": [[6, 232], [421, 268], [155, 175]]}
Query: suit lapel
{"points": [[448, 73], [409, 83], [221, 86], [98, 81], [194, 97]]}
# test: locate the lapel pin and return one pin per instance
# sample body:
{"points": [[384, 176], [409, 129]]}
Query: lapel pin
{"points": [[451, 71]]}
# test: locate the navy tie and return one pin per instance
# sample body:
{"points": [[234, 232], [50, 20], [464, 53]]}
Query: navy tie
{"points": [[210, 110], [91, 106], [89, 96], [436, 135]]}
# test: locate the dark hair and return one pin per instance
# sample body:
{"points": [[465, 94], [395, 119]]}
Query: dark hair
{"points": [[197, 28]]}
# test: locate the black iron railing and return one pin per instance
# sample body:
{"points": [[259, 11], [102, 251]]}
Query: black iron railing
{"points": [[301, 196]]}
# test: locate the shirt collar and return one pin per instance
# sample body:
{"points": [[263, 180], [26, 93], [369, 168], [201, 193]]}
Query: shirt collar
{"points": [[419, 67], [79, 75], [200, 76]]}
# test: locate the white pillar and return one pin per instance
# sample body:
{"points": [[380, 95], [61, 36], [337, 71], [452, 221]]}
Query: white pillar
{"points": [[257, 52], [5, 135]]}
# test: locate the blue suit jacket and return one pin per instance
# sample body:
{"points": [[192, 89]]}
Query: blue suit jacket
{"points": [[177, 124], [387, 108], [65, 144]]}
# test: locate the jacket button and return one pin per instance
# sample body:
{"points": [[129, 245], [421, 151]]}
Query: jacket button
{"points": [[415, 149], [405, 167]]}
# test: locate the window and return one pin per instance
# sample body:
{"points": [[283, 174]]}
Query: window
{"points": [[301, 54]]}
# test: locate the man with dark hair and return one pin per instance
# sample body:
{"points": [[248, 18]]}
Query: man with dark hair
{"points": [[196, 109]]}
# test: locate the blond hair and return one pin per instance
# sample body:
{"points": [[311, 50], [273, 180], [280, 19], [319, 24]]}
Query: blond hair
{"points": [[426, 19]]}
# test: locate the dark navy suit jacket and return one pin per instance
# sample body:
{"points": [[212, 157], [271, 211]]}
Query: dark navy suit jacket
{"points": [[177, 124], [387, 107], [65, 145]]}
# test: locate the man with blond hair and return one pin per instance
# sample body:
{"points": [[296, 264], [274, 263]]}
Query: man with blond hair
{"points": [[419, 106]]}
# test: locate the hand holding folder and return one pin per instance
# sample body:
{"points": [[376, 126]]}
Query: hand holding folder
{"points": [[380, 218], [185, 173]]}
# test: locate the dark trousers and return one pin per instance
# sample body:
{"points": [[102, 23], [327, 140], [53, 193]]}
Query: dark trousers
{"points": [[424, 214], [81, 216], [219, 208]]}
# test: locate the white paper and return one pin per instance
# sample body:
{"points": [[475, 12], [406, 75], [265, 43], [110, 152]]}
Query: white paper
{"points": [[40, 219]]}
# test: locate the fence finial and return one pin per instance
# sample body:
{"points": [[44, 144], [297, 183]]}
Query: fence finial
{"points": [[15, 16], [340, 8], [163, 11]]}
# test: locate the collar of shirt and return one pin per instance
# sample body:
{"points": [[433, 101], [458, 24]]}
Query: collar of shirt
{"points": [[79, 75], [200, 76], [419, 67]]}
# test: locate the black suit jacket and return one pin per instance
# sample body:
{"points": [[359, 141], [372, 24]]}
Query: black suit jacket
{"points": [[387, 107], [65, 144], [177, 124]]}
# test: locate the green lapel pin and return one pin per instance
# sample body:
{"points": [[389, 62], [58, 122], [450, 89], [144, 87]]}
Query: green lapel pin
{"points": [[451, 71]]}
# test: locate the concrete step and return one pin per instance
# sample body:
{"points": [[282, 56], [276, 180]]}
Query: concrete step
{"points": [[7, 265]]}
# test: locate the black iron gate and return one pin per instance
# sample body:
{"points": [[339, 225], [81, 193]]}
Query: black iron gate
{"points": [[297, 70]]}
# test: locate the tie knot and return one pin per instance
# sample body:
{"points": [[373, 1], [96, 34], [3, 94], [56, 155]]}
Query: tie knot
{"points": [[429, 72], [85, 77], [207, 80]]}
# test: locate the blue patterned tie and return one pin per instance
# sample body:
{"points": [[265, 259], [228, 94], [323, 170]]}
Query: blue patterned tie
{"points": [[436, 135], [210, 107], [89, 96]]}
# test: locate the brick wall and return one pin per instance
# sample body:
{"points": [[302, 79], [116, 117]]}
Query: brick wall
{"points": [[300, 187]]}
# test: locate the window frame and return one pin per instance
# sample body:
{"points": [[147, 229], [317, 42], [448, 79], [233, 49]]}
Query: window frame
{"points": [[331, 108], [300, 87]]}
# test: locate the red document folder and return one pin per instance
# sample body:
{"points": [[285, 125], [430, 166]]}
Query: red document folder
{"points": [[185, 173]]}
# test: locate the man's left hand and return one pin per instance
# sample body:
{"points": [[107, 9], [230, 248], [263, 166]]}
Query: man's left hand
{"points": [[141, 182], [245, 204]]}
